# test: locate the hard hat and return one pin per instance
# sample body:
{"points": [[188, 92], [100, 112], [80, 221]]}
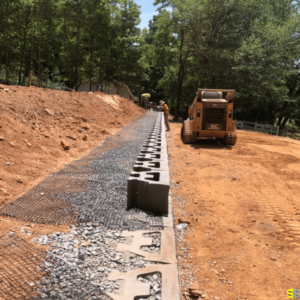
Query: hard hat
{"points": [[161, 102]]}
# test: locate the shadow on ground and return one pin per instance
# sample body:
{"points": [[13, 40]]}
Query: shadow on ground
{"points": [[210, 144]]}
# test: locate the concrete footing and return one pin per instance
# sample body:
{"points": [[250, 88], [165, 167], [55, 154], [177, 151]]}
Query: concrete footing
{"points": [[167, 254], [134, 288]]}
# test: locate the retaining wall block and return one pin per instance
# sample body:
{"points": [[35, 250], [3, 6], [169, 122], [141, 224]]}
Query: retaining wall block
{"points": [[152, 136], [158, 156], [156, 144], [154, 149], [151, 166], [149, 191], [149, 183]]}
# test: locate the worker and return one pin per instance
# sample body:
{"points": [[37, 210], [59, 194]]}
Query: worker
{"points": [[145, 100], [166, 113], [185, 111]]}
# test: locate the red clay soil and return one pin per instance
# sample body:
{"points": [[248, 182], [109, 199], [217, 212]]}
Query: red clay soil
{"points": [[242, 202], [40, 131], [36, 122]]}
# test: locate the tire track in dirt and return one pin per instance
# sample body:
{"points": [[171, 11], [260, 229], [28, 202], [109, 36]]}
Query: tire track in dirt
{"points": [[284, 216]]}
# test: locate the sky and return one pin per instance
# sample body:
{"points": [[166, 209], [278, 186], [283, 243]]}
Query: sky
{"points": [[147, 11]]}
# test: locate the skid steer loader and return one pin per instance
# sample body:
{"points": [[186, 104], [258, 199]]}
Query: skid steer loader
{"points": [[210, 116]]}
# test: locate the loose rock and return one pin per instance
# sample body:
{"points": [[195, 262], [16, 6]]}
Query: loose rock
{"points": [[65, 145], [181, 220], [49, 111]]}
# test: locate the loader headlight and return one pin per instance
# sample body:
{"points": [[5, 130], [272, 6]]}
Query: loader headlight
{"points": [[198, 113]]}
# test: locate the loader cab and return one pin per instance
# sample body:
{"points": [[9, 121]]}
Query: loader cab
{"points": [[212, 110], [215, 97], [211, 116], [213, 105]]}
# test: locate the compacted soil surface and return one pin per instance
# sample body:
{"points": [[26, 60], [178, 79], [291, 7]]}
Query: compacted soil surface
{"points": [[242, 204]]}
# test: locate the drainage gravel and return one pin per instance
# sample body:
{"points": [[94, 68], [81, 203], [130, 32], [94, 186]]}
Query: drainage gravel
{"points": [[79, 262], [91, 194], [155, 281], [156, 242]]}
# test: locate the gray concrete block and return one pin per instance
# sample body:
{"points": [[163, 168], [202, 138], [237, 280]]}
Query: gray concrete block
{"points": [[155, 149], [168, 248], [149, 191], [151, 166], [144, 159], [155, 134], [149, 184], [157, 129], [154, 137], [161, 144], [153, 140], [134, 288], [156, 107], [156, 155]]}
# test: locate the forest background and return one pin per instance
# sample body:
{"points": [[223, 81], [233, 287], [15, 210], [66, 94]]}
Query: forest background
{"points": [[251, 46]]}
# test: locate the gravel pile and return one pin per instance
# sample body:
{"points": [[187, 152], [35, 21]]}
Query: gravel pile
{"points": [[83, 258], [156, 242], [155, 281], [79, 262]]}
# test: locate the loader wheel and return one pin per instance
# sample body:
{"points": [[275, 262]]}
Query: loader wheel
{"points": [[230, 138], [187, 134]]}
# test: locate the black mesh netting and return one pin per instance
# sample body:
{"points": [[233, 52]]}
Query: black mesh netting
{"points": [[94, 188], [20, 268]]}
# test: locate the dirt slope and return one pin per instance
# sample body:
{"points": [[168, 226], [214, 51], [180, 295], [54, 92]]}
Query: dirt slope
{"points": [[243, 241], [34, 122]]}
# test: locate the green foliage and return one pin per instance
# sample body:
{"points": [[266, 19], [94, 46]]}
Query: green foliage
{"points": [[250, 46], [70, 41]]}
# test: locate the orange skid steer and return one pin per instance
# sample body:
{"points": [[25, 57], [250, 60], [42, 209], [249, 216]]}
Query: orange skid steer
{"points": [[211, 116]]}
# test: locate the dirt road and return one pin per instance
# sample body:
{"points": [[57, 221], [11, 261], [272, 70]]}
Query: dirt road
{"points": [[242, 202]]}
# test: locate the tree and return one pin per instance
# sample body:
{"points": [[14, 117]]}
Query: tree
{"points": [[250, 46]]}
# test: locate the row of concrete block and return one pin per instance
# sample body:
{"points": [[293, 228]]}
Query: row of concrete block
{"points": [[149, 183], [155, 107]]}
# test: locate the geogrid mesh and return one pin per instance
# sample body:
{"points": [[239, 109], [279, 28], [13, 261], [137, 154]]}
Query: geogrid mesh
{"points": [[94, 188], [20, 268]]}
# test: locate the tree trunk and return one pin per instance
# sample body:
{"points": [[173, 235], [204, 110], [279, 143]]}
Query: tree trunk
{"points": [[179, 92], [282, 113], [91, 68], [77, 58], [40, 52], [180, 77], [6, 47], [27, 24], [22, 56], [285, 120]]}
